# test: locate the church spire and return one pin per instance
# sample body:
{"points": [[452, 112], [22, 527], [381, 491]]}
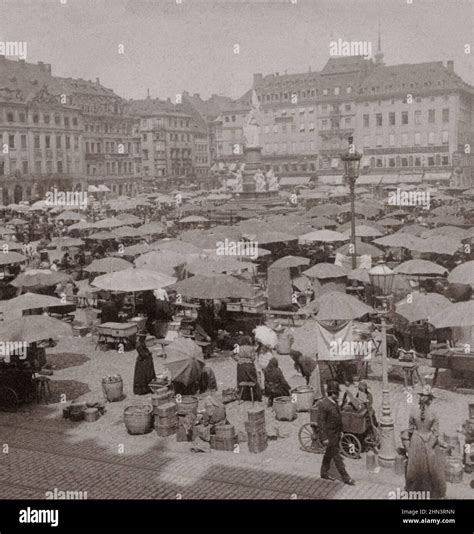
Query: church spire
{"points": [[378, 56]]}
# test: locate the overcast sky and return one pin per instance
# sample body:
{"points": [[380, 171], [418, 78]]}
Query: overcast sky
{"points": [[171, 46]]}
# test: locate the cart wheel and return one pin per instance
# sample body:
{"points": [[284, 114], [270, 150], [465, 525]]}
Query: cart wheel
{"points": [[8, 400], [350, 446], [308, 436], [372, 440]]}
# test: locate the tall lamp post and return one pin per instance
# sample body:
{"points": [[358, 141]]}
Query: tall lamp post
{"points": [[351, 159], [381, 279]]}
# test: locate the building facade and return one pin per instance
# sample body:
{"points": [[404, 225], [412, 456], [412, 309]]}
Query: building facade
{"points": [[64, 133], [41, 133], [407, 120], [167, 140]]}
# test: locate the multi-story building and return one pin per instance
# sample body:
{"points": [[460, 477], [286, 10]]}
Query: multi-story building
{"points": [[64, 133], [229, 125], [208, 111], [308, 116], [411, 119], [406, 119], [41, 131], [167, 140]]}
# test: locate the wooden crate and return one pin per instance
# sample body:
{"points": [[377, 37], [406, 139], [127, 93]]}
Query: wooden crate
{"points": [[224, 444], [117, 329]]}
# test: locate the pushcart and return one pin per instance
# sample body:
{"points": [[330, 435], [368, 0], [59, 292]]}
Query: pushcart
{"points": [[16, 387], [359, 433]]}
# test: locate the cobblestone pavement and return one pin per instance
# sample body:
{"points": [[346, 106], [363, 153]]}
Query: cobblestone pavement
{"points": [[45, 451], [39, 459]]}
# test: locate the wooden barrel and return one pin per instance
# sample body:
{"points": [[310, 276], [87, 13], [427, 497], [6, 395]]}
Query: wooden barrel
{"points": [[91, 415], [256, 415], [223, 444], [160, 399], [252, 427], [188, 404], [168, 421], [138, 419], [166, 409], [225, 431], [257, 442], [304, 396], [285, 409], [453, 469]]}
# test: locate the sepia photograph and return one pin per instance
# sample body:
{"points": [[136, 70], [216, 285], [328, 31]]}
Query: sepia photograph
{"points": [[236, 262]]}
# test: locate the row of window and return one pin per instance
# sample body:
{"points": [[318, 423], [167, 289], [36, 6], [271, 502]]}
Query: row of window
{"points": [[113, 168], [49, 167], [293, 148], [310, 93], [111, 147], [410, 161], [59, 120], [47, 141], [201, 159], [108, 128], [417, 117], [418, 139], [402, 87], [291, 167]]}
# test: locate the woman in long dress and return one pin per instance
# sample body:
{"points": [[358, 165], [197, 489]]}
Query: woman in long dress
{"points": [[425, 467], [144, 368]]}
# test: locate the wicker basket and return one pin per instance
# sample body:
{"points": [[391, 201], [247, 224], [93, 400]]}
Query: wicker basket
{"points": [[138, 419]]}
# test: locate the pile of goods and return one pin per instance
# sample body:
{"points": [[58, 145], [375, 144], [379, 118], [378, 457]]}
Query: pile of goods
{"points": [[256, 431], [84, 411], [112, 386], [225, 438]]}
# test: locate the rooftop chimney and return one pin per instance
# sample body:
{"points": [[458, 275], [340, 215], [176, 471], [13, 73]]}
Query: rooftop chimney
{"points": [[40, 64], [47, 66], [97, 80], [148, 94], [197, 95], [450, 65]]}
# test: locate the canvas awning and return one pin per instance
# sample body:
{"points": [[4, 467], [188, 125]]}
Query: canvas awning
{"points": [[436, 176], [294, 180], [330, 179], [369, 179], [409, 179]]}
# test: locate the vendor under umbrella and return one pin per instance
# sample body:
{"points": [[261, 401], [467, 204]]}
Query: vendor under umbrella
{"points": [[144, 368]]}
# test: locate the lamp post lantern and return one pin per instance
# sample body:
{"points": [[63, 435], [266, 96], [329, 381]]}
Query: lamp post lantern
{"points": [[351, 159], [381, 279]]}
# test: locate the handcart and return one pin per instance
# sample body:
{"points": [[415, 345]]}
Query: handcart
{"points": [[359, 433]]}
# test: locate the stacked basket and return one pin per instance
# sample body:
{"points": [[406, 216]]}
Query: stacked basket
{"points": [[166, 419], [225, 438], [256, 431]]}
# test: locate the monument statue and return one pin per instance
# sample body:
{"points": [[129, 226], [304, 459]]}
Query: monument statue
{"points": [[251, 127]]}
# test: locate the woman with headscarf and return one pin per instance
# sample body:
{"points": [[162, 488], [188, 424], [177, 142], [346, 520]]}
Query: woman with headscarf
{"points": [[275, 383], [247, 373], [425, 466], [144, 368]]}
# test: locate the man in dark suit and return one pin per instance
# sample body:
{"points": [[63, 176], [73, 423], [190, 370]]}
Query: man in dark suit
{"points": [[330, 425]]}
